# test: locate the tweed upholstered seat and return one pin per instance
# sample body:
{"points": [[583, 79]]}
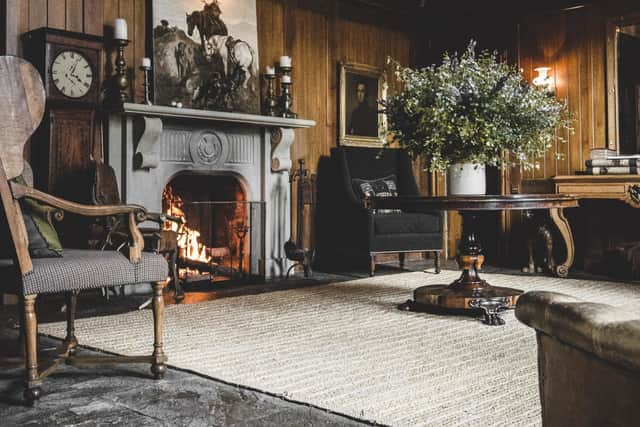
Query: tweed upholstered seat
{"points": [[81, 269], [21, 111]]}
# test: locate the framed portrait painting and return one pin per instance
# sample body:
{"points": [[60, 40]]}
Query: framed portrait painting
{"points": [[360, 121], [205, 54]]}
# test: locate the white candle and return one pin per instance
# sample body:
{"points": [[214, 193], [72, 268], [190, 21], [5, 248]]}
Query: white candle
{"points": [[120, 29], [270, 70], [286, 79], [146, 62], [285, 61]]}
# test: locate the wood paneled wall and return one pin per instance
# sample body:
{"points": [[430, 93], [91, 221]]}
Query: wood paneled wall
{"points": [[317, 36], [572, 43]]}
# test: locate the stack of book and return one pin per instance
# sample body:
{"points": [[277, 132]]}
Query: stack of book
{"points": [[606, 162]]}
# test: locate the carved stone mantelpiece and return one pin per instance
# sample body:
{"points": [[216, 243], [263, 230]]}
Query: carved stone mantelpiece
{"points": [[148, 145]]}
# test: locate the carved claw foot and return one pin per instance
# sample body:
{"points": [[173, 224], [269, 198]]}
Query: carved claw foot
{"points": [[493, 319], [407, 305], [31, 395], [491, 309]]}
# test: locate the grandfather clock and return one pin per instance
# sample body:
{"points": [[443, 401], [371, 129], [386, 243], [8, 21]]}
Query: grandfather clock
{"points": [[70, 65]]}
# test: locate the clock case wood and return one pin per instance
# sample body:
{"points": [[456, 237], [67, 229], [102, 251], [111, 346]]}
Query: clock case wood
{"points": [[41, 47], [62, 149]]}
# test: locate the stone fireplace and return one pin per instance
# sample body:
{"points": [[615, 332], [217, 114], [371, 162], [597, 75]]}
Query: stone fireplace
{"points": [[151, 146]]}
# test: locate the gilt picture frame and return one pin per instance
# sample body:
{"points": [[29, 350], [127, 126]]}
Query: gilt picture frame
{"points": [[360, 120]]}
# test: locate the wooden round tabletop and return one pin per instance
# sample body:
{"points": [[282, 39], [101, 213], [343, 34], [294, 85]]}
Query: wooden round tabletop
{"points": [[478, 203]]}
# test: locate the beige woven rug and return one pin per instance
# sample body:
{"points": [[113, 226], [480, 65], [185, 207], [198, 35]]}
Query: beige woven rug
{"points": [[345, 347]]}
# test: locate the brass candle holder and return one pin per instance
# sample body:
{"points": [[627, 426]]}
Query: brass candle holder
{"points": [[270, 106], [286, 100], [121, 77]]}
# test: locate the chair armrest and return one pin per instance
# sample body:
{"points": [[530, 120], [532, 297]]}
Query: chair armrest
{"points": [[135, 213], [607, 332], [20, 191]]}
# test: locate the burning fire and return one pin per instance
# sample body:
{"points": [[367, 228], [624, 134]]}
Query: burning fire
{"points": [[188, 239]]}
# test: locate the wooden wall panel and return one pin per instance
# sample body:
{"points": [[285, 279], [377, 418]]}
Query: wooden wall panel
{"points": [[93, 17], [572, 44], [75, 15], [56, 14], [37, 13]]}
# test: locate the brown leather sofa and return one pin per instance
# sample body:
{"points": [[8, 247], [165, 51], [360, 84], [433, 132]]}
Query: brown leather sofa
{"points": [[588, 360]]}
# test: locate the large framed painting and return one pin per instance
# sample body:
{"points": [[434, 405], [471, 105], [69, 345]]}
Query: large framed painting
{"points": [[205, 54], [361, 122]]}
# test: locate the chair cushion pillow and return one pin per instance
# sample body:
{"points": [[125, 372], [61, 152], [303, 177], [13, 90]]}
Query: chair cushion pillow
{"points": [[43, 238], [380, 187], [90, 269]]}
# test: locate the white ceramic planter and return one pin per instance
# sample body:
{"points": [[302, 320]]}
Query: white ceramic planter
{"points": [[465, 179]]}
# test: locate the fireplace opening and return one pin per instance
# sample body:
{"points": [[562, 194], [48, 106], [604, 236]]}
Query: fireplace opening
{"points": [[215, 237]]}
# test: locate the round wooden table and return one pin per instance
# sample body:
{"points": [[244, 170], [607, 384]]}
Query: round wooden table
{"points": [[470, 292]]}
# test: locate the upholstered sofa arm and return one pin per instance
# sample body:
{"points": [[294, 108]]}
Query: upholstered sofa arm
{"points": [[607, 332]]}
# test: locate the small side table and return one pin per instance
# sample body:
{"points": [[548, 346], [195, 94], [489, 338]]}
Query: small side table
{"points": [[470, 292]]}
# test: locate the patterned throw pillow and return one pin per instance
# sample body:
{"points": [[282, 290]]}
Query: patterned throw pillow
{"points": [[381, 187], [43, 238]]}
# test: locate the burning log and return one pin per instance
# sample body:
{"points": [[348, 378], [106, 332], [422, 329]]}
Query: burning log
{"points": [[210, 266]]}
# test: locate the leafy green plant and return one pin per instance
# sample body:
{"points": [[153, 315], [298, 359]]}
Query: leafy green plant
{"points": [[471, 108]]}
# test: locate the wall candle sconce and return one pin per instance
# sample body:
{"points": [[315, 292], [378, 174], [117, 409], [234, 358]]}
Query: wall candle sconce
{"points": [[543, 80]]}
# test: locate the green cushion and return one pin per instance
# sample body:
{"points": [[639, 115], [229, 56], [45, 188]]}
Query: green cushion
{"points": [[43, 238]]}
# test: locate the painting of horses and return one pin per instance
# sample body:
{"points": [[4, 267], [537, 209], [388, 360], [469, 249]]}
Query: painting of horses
{"points": [[205, 54]]}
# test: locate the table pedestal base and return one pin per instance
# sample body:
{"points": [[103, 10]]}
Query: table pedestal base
{"points": [[469, 292], [491, 300]]}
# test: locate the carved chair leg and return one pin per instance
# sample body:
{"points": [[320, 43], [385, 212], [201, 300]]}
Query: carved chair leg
{"points": [[22, 343], [401, 259], [158, 367], [372, 265], [71, 342], [437, 261], [32, 389]]}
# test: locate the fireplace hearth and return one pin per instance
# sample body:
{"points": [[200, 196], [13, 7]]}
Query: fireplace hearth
{"points": [[226, 168]]}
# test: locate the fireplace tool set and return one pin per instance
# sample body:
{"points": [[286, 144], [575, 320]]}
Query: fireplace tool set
{"points": [[305, 201]]}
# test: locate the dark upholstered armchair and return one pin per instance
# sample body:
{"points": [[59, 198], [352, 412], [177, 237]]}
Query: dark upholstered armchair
{"points": [[348, 230], [588, 360]]}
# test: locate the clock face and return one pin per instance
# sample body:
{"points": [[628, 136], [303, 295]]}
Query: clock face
{"points": [[71, 74]]}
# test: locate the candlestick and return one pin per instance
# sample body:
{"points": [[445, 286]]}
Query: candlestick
{"points": [[146, 68], [270, 106], [122, 80], [287, 101], [120, 29]]}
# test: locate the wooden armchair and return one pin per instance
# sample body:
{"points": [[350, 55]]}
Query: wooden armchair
{"points": [[21, 110]]}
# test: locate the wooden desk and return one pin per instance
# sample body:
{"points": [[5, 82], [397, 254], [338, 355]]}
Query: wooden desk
{"points": [[613, 187]]}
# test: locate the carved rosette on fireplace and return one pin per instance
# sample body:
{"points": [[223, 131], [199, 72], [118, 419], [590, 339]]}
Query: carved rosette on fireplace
{"points": [[150, 145]]}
